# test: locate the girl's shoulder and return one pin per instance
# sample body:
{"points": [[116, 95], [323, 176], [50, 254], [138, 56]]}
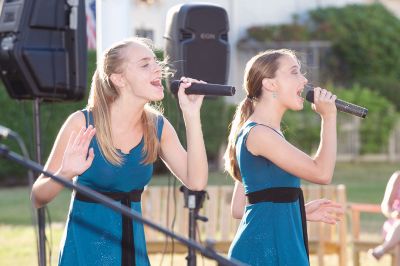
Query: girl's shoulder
{"points": [[76, 120]]}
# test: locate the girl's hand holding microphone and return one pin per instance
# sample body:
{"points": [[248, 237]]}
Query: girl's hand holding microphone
{"points": [[190, 104], [324, 102]]}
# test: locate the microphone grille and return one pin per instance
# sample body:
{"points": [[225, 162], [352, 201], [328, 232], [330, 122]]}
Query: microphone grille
{"points": [[309, 92], [175, 86]]}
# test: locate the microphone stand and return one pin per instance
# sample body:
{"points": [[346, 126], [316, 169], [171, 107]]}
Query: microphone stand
{"points": [[94, 195], [41, 220], [193, 201]]}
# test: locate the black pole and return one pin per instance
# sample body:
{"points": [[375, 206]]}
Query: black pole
{"points": [[193, 201], [116, 206], [191, 257], [41, 220]]}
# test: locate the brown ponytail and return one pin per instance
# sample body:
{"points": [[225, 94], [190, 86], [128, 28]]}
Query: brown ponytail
{"points": [[243, 112]]}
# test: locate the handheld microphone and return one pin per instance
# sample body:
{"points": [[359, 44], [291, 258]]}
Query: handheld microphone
{"points": [[340, 105], [204, 89]]}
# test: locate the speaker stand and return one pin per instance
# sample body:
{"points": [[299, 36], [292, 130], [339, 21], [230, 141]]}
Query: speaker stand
{"points": [[41, 221], [193, 201]]}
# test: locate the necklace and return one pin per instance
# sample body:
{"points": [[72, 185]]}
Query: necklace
{"points": [[277, 131]]}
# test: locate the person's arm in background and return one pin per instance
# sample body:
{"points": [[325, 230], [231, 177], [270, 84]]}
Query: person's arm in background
{"points": [[238, 202], [392, 188]]}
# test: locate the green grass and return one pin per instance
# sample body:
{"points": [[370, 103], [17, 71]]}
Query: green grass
{"points": [[365, 182], [18, 247]]}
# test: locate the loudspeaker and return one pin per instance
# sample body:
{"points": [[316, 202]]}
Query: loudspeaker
{"points": [[197, 42], [43, 49]]}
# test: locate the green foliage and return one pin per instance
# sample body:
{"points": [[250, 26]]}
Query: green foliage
{"points": [[214, 118], [375, 129], [385, 85], [302, 128], [282, 32], [365, 40]]}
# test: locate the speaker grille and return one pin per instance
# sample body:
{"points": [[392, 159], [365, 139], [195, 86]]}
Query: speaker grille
{"points": [[40, 55], [197, 42]]}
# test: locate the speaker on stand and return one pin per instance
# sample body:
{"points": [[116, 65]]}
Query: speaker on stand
{"points": [[43, 57], [197, 46], [43, 50], [197, 42]]}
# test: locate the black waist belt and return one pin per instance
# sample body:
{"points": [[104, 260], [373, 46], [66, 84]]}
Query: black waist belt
{"points": [[283, 195], [127, 241]]}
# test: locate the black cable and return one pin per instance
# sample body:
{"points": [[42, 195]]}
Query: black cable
{"points": [[49, 242], [28, 129], [179, 120], [166, 237], [177, 127], [30, 174], [173, 221]]}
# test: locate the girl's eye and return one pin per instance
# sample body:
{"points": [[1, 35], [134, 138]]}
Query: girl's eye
{"points": [[146, 65]]}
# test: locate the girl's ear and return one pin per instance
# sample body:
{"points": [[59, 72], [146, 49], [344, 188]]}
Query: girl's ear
{"points": [[117, 80], [269, 84]]}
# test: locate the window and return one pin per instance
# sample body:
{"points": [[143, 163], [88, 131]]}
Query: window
{"points": [[145, 33]]}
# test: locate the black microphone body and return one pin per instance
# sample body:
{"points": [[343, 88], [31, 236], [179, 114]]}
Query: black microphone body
{"points": [[204, 89], [340, 104]]}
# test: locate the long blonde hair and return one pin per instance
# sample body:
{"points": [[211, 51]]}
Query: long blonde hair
{"points": [[263, 65], [104, 93]]}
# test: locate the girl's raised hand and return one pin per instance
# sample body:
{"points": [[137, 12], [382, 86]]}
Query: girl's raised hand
{"points": [[77, 159]]}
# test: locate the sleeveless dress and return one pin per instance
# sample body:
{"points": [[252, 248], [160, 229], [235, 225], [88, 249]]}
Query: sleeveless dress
{"points": [[270, 234], [93, 232]]}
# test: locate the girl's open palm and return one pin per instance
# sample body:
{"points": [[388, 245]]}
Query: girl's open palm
{"points": [[323, 210], [77, 159]]}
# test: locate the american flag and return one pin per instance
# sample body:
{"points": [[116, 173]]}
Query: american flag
{"points": [[91, 23]]}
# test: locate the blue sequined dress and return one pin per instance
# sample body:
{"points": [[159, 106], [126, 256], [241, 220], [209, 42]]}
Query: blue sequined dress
{"points": [[93, 232], [270, 234]]}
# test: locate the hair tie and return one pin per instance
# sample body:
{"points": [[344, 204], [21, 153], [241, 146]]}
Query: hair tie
{"points": [[249, 97]]}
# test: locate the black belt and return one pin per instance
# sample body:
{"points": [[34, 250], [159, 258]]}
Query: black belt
{"points": [[283, 195], [127, 241]]}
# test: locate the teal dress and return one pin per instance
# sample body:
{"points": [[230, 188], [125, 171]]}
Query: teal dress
{"points": [[93, 232], [270, 234]]}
